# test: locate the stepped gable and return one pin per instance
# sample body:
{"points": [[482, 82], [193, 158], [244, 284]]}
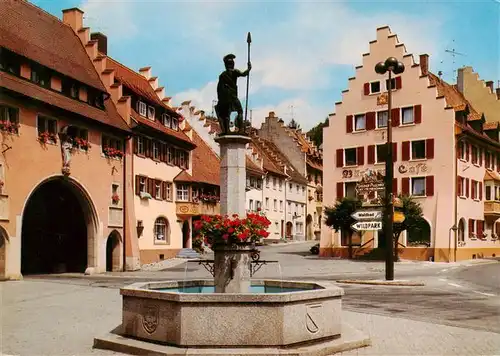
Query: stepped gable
{"points": [[205, 164], [280, 157], [268, 163], [35, 34]]}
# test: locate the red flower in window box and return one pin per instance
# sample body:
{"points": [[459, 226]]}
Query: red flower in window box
{"points": [[112, 152], [225, 230], [115, 198], [45, 137], [10, 127], [82, 143]]}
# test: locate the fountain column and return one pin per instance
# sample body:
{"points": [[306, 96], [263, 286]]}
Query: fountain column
{"points": [[232, 262]]}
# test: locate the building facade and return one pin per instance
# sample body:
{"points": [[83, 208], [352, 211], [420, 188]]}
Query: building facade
{"points": [[62, 191], [429, 117]]}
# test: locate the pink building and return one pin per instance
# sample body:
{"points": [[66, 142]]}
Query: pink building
{"points": [[443, 150], [62, 193]]}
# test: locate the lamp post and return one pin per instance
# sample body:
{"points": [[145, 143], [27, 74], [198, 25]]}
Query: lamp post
{"points": [[391, 65]]}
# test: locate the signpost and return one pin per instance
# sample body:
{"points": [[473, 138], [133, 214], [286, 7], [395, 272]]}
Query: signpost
{"points": [[367, 215], [367, 225]]}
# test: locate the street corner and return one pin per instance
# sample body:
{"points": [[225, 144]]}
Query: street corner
{"points": [[381, 282]]}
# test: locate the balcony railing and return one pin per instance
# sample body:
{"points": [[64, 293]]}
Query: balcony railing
{"points": [[492, 207]]}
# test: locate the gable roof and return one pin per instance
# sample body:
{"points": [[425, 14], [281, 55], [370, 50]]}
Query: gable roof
{"points": [[35, 34]]}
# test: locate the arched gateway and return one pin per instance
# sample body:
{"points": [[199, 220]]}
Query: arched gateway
{"points": [[58, 229]]}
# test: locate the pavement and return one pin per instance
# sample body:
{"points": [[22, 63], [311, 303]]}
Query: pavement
{"points": [[456, 312]]}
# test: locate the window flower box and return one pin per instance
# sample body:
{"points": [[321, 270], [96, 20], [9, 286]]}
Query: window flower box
{"points": [[81, 143], [9, 127], [145, 195], [208, 198], [46, 137], [112, 152], [115, 198]]}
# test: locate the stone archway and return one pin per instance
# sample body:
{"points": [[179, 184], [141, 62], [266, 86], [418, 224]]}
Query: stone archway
{"points": [[58, 231], [114, 252], [420, 235], [289, 227], [4, 238], [461, 230]]}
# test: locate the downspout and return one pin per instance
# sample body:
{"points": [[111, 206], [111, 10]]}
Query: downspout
{"points": [[124, 193]]}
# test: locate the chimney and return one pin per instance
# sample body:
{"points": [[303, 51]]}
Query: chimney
{"points": [[102, 42], [424, 64], [74, 18], [498, 93], [489, 84]]}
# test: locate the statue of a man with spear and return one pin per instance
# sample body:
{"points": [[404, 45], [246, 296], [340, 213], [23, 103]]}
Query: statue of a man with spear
{"points": [[227, 94]]}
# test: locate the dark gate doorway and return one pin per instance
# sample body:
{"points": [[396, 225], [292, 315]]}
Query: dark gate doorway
{"points": [[54, 230], [185, 234], [113, 252]]}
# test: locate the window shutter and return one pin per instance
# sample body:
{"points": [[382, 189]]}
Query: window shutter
{"points": [[164, 190], [406, 151], [480, 190], [348, 123], [459, 186], [366, 88], [340, 190], [399, 83], [394, 151], [371, 154], [153, 188], [471, 227], [360, 156], [467, 151], [429, 186], [482, 153], [480, 228], [473, 189], [137, 184], [429, 148], [370, 120], [417, 113], [395, 117], [395, 186], [340, 157], [474, 157], [186, 159], [136, 145], [467, 182], [405, 186]]}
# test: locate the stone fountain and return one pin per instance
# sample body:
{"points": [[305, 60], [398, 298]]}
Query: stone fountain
{"points": [[232, 314]]}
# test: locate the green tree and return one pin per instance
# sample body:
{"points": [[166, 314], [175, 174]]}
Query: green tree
{"points": [[316, 133], [413, 219], [339, 217], [294, 124]]}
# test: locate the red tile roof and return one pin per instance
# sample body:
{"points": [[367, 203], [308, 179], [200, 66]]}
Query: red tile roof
{"points": [[252, 167], [490, 125], [33, 33], [491, 175], [290, 169], [109, 116]]}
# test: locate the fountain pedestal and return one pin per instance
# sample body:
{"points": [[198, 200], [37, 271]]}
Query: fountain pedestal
{"points": [[232, 268]]}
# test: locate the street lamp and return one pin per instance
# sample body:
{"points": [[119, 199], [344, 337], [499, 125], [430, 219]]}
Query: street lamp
{"points": [[391, 65]]}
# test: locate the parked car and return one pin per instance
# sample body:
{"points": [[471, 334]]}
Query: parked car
{"points": [[315, 249]]}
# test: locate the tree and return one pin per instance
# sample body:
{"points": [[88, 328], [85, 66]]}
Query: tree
{"points": [[413, 219], [339, 217], [316, 133], [294, 124]]}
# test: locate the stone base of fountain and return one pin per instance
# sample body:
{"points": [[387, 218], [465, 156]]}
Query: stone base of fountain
{"points": [[274, 318]]}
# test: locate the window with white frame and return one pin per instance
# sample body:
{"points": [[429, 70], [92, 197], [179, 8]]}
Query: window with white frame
{"points": [[407, 116], [182, 192], [259, 183], [472, 228], [167, 120], [350, 189], [274, 183], [47, 126], [194, 194], [393, 84], [475, 155], [488, 192], [350, 157], [9, 117], [143, 108], [161, 229], [475, 189], [267, 182], [280, 185], [140, 145], [296, 209], [156, 150], [375, 87], [463, 187], [381, 153], [462, 149], [258, 205], [250, 205], [175, 124], [170, 155], [275, 205], [359, 122], [289, 207], [418, 150], [267, 203], [382, 118], [151, 113], [142, 184], [281, 205], [418, 186], [168, 190], [158, 189]]}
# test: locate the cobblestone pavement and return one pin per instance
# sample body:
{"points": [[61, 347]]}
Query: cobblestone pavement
{"points": [[58, 319]]}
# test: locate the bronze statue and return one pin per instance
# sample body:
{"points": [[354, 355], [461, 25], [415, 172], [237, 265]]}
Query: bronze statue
{"points": [[227, 95]]}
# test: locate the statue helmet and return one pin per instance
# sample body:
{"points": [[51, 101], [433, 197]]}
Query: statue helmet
{"points": [[228, 57]]}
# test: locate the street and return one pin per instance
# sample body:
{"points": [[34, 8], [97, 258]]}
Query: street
{"points": [[458, 303]]}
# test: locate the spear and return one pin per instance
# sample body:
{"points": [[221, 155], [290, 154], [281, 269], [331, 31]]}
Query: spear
{"points": [[249, 40]]}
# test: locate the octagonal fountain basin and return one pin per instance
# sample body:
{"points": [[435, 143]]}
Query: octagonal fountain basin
{"points": [[273, 313]]}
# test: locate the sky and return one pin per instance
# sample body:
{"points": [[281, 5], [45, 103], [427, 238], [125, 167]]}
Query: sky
{"points": [[302, 52]]}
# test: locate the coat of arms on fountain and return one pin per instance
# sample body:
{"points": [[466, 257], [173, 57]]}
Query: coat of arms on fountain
{"points": [[150, 317]]}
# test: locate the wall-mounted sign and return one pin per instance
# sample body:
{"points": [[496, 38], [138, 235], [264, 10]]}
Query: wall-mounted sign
{"points": [[372, 181], [413, 168], [358, 173], [383, 99]]}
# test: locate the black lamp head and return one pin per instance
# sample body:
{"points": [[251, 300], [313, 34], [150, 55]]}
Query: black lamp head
{"points": [[380, 68], [400, 68], [391, 63]]}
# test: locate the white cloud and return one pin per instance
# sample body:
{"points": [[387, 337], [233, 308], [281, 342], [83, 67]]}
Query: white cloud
{"points": [[115, 18]]}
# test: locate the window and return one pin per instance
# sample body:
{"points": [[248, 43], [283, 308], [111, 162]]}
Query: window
{"points": [[115, 198], [350, 190], [275, 205], [151, 113], [296, 209], [488, 193], [259, 184], [175, 124], [182, 159], [9, 119], [350, 156], [290, 186], [462, 150], [156, 150], [489, 160], [167, 120], [111, 147], [194, 194], [289, 207], [462, 187], [418, 149], [168, 191], [382, 117], [281, 205], [360, 122], [161, 226], [274, 183], [158, 189], [418, 186], [475, 155], [182, 192], [393, 84], [47, 129], [258, 204], [375, 87], [40, 75], [297, 187], [475, 189], [267, 203], [142, 107], [381, 153], [276, 227], [267, 182], [170, 155], [140, 145], [250, 205], [303, 190], [407, 116], [280, 185], [142, 184], [74, 91]]}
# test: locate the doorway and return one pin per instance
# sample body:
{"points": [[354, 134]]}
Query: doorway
{"points": [[186, 232], [113, 252]]}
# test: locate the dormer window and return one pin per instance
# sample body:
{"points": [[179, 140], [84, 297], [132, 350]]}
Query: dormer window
{"points": [[151, 113], [167, 121], [142, 108], [73, 91], [175, 124], [40, 75]]}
